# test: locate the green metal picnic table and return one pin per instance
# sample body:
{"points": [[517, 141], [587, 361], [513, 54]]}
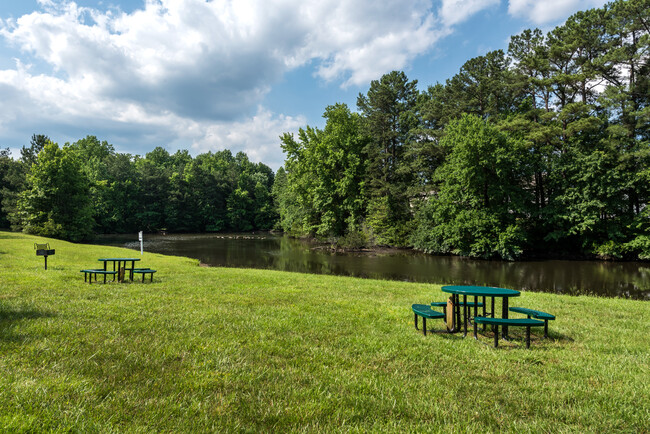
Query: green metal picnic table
{"points": [[119, 267], [478, 291]]}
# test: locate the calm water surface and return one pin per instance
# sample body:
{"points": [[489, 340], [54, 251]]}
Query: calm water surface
{"points": [[278, 252]]}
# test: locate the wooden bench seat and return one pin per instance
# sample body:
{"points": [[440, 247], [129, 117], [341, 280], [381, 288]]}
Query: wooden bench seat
{"points": [[88, 274], [425, 311], [537, 314], [510, 322]]}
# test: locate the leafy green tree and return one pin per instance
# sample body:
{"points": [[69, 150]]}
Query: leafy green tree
{"points": [[423, 154], [250, 204], [529, 53], [12, 178], [210, 179], [265, 213], [290, 214], [324, 177], [174, 192], [486, 86], [57, 201], [535, 122], [95, 155], [29, 155], [585, 145], [121, 195], [180, 213], [240, 207], [575, 54], [639, 244], [389, 116], [628, 51], [153, 176], [240, 202], [480, 207]]}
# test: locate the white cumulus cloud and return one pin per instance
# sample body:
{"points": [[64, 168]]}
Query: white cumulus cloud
{"points": [[194, 72], [548, 11], [456, 11], [258, 135]]}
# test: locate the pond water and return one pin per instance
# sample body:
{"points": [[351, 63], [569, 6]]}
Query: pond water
{"points": [[279, 252]]}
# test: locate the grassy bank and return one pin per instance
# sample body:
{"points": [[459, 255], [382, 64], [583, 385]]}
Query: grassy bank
{"points": [[218, 349]]}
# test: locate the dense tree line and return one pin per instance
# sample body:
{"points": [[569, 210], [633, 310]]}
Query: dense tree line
{"points": [[545, 148], [79, 189]]}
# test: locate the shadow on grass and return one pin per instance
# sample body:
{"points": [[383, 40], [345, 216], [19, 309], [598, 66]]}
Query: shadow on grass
{"points": [[443, 333], [559, 337], [10, 317], [517, 340], [53, 267], [516, 336]]}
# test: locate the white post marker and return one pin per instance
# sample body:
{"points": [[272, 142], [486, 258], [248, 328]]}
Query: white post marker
{"points": [[140, 237]]}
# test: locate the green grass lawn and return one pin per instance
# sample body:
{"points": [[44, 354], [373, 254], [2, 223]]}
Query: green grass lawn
{"points": [[215, 349]]}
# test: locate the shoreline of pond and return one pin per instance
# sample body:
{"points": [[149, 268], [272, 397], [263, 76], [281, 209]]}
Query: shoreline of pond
{"points": [[325, 246], [622, 279], [530, 256]]}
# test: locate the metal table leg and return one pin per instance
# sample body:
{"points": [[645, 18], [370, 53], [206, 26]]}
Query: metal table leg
{"points": [[465, 314], [457, 307], [504, 315]]}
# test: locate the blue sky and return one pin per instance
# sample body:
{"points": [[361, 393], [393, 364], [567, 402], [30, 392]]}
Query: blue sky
{"points": [[211, 75]]}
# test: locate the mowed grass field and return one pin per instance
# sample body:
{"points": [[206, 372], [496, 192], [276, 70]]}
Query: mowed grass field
{"points": [[238, 350]]}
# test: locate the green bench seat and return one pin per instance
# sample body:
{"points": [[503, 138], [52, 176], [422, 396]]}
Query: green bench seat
{"points": [[538, 314], [88, 274], [510, 322], [132, 270], [144, 272], [425, 311]]}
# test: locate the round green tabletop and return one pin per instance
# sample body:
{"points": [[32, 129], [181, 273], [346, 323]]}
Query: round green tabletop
{"points": [[118, 259], [480, 291]]}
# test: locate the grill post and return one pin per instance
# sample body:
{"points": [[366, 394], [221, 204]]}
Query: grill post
{"points": [[44, 251]]}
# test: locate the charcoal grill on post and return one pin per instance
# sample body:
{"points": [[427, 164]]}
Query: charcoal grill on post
{"points": [[44, 251]]}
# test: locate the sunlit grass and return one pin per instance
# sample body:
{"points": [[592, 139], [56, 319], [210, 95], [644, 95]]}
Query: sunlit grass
{"points": [[215, 349]]}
